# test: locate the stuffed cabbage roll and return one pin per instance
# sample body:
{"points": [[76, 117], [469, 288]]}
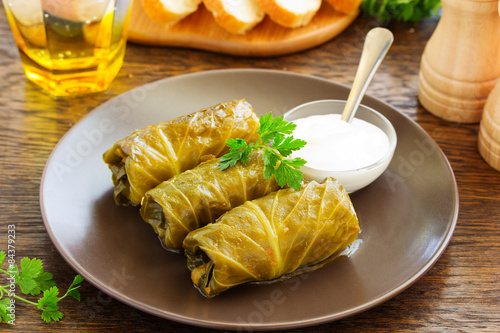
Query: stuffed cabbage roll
{"points": [[199, 196], [156, 153], [271, 238]]}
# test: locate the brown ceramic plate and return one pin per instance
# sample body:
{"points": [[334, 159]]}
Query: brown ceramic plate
{"points": [[407, 215]]}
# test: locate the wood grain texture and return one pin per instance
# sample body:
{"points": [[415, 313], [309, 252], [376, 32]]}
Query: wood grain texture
{"points": [[458, 294], [200, 31]]}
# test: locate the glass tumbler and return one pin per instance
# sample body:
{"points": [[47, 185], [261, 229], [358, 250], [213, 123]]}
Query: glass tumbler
{"points": [[70, 47]]}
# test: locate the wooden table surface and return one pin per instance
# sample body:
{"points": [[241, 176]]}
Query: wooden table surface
{"points": [[460, 293]]}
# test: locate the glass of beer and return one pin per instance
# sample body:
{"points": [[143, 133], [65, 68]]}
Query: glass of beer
{"points": [[70, 47]]}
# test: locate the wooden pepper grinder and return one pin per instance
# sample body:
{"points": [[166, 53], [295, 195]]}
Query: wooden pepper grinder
{"points": [[489, 130], [461, 62]]}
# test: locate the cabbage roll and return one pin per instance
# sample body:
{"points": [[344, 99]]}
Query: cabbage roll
{"points": [[271, 238], [199, 196], [156, 153]]}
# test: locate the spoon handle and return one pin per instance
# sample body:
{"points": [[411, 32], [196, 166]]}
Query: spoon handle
{"points": [[377, 43]]}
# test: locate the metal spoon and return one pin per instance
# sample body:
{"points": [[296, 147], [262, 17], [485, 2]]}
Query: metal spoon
{"points": [[377, 43]]}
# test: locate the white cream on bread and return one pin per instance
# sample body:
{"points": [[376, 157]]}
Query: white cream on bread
{"points": [[291, 13], [169, 11], [240, 16], [236, 16]]}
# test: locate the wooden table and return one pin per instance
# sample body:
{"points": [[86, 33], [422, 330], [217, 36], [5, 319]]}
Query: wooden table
{"points": [[459, 293]]}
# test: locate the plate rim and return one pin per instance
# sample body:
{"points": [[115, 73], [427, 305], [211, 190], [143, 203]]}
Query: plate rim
{"points": [[257, 327]]}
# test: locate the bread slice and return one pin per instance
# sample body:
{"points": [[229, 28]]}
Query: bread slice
{"points": [[345, 6], [75, 10], [236, 16], [169, 11], [290, 13]]}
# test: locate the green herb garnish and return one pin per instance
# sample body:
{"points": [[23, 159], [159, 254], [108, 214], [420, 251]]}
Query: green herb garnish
{"points": [[277, 145], [400, 10], [32, 280]]}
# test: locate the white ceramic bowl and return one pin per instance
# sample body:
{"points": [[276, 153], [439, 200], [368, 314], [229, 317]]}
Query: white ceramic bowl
{"points": [[356, 179]]}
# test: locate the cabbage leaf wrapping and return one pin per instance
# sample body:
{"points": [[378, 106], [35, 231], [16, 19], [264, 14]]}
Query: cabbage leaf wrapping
{"points": [[199, 196], [156, 153], [271, 238]]}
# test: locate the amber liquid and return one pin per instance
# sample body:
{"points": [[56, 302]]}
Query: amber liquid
{"points": [[69, 58]]}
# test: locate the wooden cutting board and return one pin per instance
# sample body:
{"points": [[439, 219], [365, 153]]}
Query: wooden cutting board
{"points": [[200, 31]]}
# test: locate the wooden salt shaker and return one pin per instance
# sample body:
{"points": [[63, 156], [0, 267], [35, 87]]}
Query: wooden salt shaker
{"points": [[489, 130], [461, 62]]}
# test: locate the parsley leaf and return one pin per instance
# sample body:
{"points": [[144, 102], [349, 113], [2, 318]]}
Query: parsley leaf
{"points": [[286, 145], [4, 310], [400, 10], [287, 172], [48, 305], [73, 288], [32, 279], [277, 143], [44, 281], [269, 127], [239, 150], [30, 269]]}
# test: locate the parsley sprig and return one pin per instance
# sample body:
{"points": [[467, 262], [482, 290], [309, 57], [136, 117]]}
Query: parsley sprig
{"points": [[400, 10], [275, 139], [32, 280]]}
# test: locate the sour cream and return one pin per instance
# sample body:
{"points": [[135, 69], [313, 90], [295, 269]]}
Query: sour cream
{"points": [[335, 145]]}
